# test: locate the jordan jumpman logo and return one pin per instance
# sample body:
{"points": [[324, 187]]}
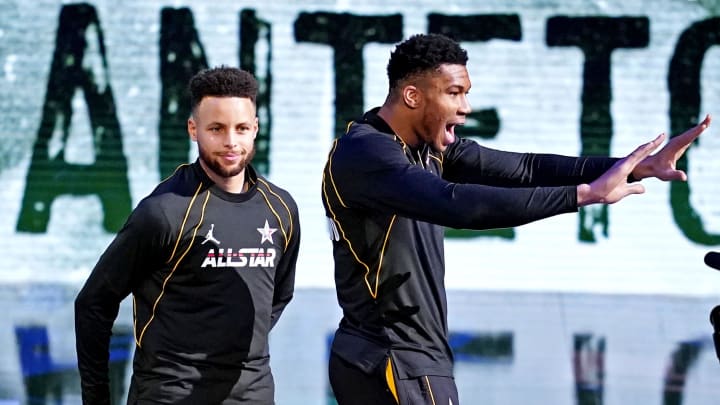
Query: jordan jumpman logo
{"points": [[210, 237]]}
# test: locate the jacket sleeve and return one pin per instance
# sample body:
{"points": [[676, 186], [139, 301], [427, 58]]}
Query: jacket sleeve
{"points": [[373, 173], [465, 161], [285, 271], [98, 303]]}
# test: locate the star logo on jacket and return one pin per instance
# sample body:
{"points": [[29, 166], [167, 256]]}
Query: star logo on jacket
{"points": [[266, 233]]}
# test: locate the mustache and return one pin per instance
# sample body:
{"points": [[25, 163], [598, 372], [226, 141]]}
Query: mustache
{"points": [[241, 151]]}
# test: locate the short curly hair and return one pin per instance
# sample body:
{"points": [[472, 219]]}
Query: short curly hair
{"points": [[222, 81], [422, 53]]}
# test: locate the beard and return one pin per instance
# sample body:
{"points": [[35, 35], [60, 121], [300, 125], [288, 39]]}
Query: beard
{"points": [[214, 164]]}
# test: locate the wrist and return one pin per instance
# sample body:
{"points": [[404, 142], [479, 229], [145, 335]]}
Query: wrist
{"points": [[584, 195]]}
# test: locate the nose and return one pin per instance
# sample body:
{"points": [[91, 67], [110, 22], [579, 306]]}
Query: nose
{"points": [[465, 108], [230, 140]]}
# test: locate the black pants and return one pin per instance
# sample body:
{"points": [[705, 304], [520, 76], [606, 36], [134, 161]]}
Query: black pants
{"points": [[355, 387]]}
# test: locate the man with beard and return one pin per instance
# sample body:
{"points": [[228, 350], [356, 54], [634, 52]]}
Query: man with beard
{"points": [[209, 258], [397, 178]]}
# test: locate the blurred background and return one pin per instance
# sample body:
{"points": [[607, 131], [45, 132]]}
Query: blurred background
{"points": [[606, 306]]}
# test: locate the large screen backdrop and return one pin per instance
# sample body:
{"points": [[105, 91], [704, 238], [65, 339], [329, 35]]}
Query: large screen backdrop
{"points": [[608, 305]]}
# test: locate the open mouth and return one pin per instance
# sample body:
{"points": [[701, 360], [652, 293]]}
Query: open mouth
{"points": [[450, 132]]}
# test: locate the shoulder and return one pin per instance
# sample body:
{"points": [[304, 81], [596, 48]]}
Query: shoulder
{"points": [[184, 181], [152, 211], [171, 197], [363, 134], [363, 145], [466, 148], [459, 145]]}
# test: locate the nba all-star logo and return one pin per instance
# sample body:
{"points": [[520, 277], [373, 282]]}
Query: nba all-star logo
{"points": [[244, 256]]}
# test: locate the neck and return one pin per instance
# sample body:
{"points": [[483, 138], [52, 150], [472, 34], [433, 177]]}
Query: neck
{"points": [[235, 185], [400, 122]]}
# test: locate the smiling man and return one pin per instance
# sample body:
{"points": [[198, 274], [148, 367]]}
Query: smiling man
{"points": [[397, 178], [209, 258]]}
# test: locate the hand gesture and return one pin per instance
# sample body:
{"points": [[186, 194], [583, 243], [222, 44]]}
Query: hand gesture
{"points": [[612, 186], [662, 164]]}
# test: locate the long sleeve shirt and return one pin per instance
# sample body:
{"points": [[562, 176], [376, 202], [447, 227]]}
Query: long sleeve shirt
{"points": [[388, 205], [210, 272]]}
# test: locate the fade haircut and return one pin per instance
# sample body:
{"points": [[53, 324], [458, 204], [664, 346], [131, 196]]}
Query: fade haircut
{"points": [[422, 53], [222, 81]]}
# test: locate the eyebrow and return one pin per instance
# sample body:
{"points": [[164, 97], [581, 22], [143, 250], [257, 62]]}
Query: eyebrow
{"points": [[218, 123], [457, 87]]}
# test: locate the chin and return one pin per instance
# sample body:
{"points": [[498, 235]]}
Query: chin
{"points": [[439, 146]]}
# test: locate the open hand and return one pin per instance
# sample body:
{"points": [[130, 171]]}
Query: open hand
{"points": [[612, 186], [662, 164]]}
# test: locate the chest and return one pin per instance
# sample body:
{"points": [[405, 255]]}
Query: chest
{"points": [[425, 158], [220, 238]]}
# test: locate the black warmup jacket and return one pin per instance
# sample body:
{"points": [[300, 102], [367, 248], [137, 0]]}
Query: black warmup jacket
{"points": [[388, 205], [210, 273]]}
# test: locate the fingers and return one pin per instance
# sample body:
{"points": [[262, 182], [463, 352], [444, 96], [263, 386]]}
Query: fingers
{"points": [[699, 128], [643, 151], [695, 131], [679, 175], [621, 192], [635, 188], [706, 121]]}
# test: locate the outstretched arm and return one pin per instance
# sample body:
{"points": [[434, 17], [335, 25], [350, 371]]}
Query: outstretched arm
{"points": [[662, 164]]}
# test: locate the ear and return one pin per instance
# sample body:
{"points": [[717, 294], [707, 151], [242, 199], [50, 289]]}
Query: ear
{"points": [[412, 96], [192, 128], [257, 127]]}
